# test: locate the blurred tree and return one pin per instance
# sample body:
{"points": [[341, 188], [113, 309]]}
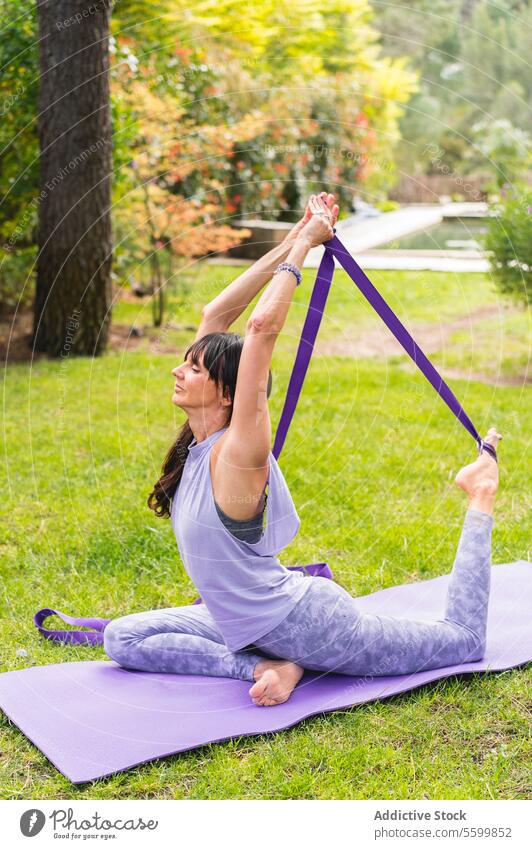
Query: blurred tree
{"points": [[327, 98], [231, 110], [74, 262], [154, 223], [471, 56]]}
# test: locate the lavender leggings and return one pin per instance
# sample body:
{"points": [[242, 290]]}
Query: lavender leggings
{"points": [[325, 630]]}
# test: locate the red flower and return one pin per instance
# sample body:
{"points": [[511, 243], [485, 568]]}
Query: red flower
{"points": [[183, 52]]}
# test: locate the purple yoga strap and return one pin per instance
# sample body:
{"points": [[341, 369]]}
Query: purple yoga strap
{"points": [[95, 636], [333, 248]]}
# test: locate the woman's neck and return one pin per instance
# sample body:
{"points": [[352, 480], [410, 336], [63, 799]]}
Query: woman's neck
{"points": [[204, 426]]}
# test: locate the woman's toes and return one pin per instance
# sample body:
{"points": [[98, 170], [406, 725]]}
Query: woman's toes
{"points": [[493, 437], [265, 701], [258, 690], [269, 702]]}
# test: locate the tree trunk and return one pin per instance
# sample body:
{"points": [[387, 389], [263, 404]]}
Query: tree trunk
{"points": [[73, 294]]}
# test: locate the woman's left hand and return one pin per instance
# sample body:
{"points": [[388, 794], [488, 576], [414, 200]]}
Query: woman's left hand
{"points": [[328, 198]]}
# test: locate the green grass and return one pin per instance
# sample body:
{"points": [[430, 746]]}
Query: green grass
{"points": [[370, 461], [498, 346], [494, 339]]}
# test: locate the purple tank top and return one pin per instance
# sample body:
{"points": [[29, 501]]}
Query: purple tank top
{"points": [[246, 589]]}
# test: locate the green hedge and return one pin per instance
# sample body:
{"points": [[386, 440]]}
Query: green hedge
{"points": [[509, 243]]}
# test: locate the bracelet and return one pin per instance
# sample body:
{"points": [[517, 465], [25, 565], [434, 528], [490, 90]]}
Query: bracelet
{"points": [[289, 266]]}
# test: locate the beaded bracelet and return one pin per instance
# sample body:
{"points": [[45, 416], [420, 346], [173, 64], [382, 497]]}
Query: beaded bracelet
{"points": [[289, 266]]}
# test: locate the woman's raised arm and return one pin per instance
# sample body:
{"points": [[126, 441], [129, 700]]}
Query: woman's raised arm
{"points": [[225, 308], [247, 442], [270, 311]]}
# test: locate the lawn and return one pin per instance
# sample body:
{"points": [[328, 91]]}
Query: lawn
{"points": [[370, 461]]}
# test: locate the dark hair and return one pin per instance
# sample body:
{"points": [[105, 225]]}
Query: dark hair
{"points": [[221, 356]]}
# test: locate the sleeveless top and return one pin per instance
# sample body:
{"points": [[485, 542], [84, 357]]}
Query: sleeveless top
{"points": [[244, 586]]}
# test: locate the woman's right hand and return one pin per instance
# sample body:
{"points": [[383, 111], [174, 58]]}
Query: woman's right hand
{"points": [[320, 227]]}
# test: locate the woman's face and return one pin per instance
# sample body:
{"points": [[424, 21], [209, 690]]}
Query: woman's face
{"points": [[193, 385]]}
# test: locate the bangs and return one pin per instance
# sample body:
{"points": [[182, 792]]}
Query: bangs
{"points": [[221, 356], [195, 349], [214, 347]]}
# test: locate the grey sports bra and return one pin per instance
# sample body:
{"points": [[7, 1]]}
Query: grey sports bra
{"points": [[246, 530]]}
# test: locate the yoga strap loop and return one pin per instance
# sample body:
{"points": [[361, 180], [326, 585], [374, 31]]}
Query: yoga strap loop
{"points": [[94, 637]]}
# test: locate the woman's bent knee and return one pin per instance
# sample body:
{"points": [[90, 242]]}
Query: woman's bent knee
{"points": [[476, 645], [114, 639], [479, 650]]}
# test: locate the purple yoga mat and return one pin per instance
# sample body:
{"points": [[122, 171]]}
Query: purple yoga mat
{"points": [[92, 718]]}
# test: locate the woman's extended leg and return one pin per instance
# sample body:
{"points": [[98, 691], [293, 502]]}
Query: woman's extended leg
{"points": [[182, 640], [327, 632]]}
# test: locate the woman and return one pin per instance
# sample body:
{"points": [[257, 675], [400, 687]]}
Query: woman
{"points": [[260, 621]]}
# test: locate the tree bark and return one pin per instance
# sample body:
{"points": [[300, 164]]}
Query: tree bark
{"points": [[75, 137]]}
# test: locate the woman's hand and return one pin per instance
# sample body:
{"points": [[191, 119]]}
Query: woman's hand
{"points": [[319, 226], [296, 229]]}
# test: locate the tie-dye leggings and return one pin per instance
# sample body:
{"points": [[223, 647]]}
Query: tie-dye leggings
{"points": [[325, 631]]}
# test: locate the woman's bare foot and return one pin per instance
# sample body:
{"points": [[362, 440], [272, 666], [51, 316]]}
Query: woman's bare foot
{"points": [[481, 478], [274, 681]]}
